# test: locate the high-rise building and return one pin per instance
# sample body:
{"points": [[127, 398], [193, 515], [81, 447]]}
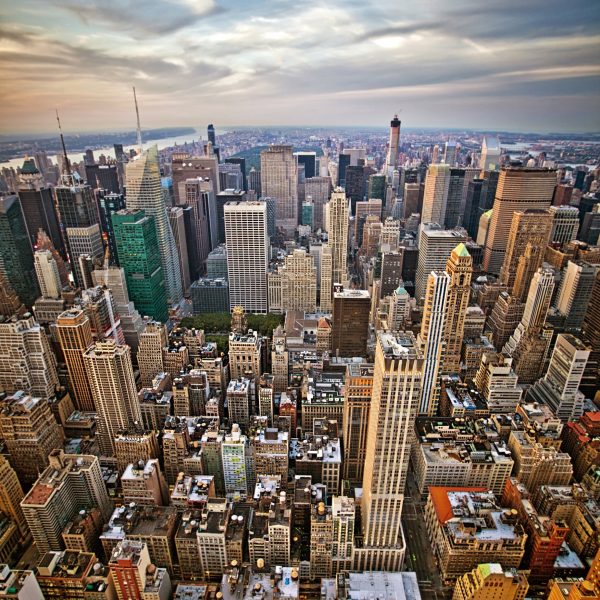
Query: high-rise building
{"points": [[245, 354], [531, 227], [394, 406], [591, 335], [472, 201], [150, 358], [350, 331], [460, 269], [559, 388], [435, 197], [294, 284], [309, 160], [30, 433], [28, 363], [177, 222], [74, 335], [575, 291], [527, 346], [455, 200], [11, 495], [233, 456], [431, 339], [108, 204], [238, 402], [279, 180], [69, 483], [144, 193], [47, 273], [38, 205], [318, 189], [435, 246], [490, 580], [247, 254], [109, 370], [85, 244], [565, 224], [498, 383], [338, 210], [358, 389], [16, 254], [391, 161], [490, 154], [518, 189], [76, 204], [185, 167], [326, 280], [140, 258]]}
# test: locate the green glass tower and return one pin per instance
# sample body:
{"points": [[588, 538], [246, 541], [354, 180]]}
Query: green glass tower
{"points": [[139, 256], [377, 187], [16, 254]]}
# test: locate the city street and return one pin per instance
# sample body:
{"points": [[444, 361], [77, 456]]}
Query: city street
{"points": [[419, 554]]}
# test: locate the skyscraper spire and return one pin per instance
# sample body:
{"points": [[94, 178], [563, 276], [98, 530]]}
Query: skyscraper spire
{"points": [[67, 165], [139, 129]]}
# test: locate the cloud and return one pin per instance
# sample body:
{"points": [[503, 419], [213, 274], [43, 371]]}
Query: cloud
{"points": [[158, 17]]}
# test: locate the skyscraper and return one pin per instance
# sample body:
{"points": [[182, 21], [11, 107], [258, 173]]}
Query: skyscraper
{"points": [[16, 255], [279, 180], [435, 196], [247, 254], [490, 154], [110, 373], [150, 358], [140, 258], [391, 161], [38, 206], [309, 160], [394, 405], [318, 189], [575, 291], [177, 222], [518, 189], [47, 273], [108, 205], [326, 280], [350, 331], [85, 244], [460, 269], [211, 134], [454, 200], [338, 210], [144, 193], [431, 338], [451, 149], [565, 223], [531, 227], [75, 337]]}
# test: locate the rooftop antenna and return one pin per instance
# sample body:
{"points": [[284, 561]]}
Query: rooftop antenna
{"points": [[139, 129], [67, 164]]}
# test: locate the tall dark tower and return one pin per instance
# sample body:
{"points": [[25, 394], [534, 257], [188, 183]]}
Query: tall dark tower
{"points": [[211, 135]]}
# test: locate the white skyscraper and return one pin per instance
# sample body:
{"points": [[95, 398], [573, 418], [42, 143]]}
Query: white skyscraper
{"points": [[435, 194], [84, 242], [450, 152], [47, 273], [490, 154], [144, 192], [247, 242], [431, 338]]}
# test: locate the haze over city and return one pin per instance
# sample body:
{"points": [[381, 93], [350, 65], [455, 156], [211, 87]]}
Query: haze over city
{"points": [[501, 66]]}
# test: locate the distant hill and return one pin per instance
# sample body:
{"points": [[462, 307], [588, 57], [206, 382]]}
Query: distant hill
{"points": [[252, 155]]}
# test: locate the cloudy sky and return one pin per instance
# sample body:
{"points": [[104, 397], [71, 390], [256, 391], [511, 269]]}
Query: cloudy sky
{"points": [[522, 65]]}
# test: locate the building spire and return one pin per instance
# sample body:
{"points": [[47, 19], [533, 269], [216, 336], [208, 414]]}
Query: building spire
{"points": [[67, 164], [139, 129]]}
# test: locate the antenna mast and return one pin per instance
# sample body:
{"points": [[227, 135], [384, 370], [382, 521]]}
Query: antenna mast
{"points": [[67, 164], [139, 129]]}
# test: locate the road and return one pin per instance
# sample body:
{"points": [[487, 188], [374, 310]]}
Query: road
{"points": [[419, 554]]}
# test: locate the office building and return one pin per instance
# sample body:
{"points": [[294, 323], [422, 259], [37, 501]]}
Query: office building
{"points": [[76, 203], [318, 190], [69, 483], [108, 204], [394, 406], [498, 383], [460, 269], [37, 203], [466, 527], [528, 227], [435, 196], [16, 254], [565, 224], [350, 331], [109, 370], [150, 351], [559, 388], [575, 292], [143, 483], [47, 273], [28, 363], [279, 180], [140, 258], [247, 254], [238, 402], [358, 389], [11, 495], [326, 280], [144, 193], [85, 250], [455, 200], [245, 354], [490, 154], [210, 295], [233, 457], [518, 189], [294, 285], [177, 223], [435, 246], [338, 223], [391, 162], [431, 338], [74, 335], [490, 580]]}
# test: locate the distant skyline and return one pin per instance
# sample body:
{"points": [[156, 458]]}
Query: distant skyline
{"points": [[509, 66]]}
